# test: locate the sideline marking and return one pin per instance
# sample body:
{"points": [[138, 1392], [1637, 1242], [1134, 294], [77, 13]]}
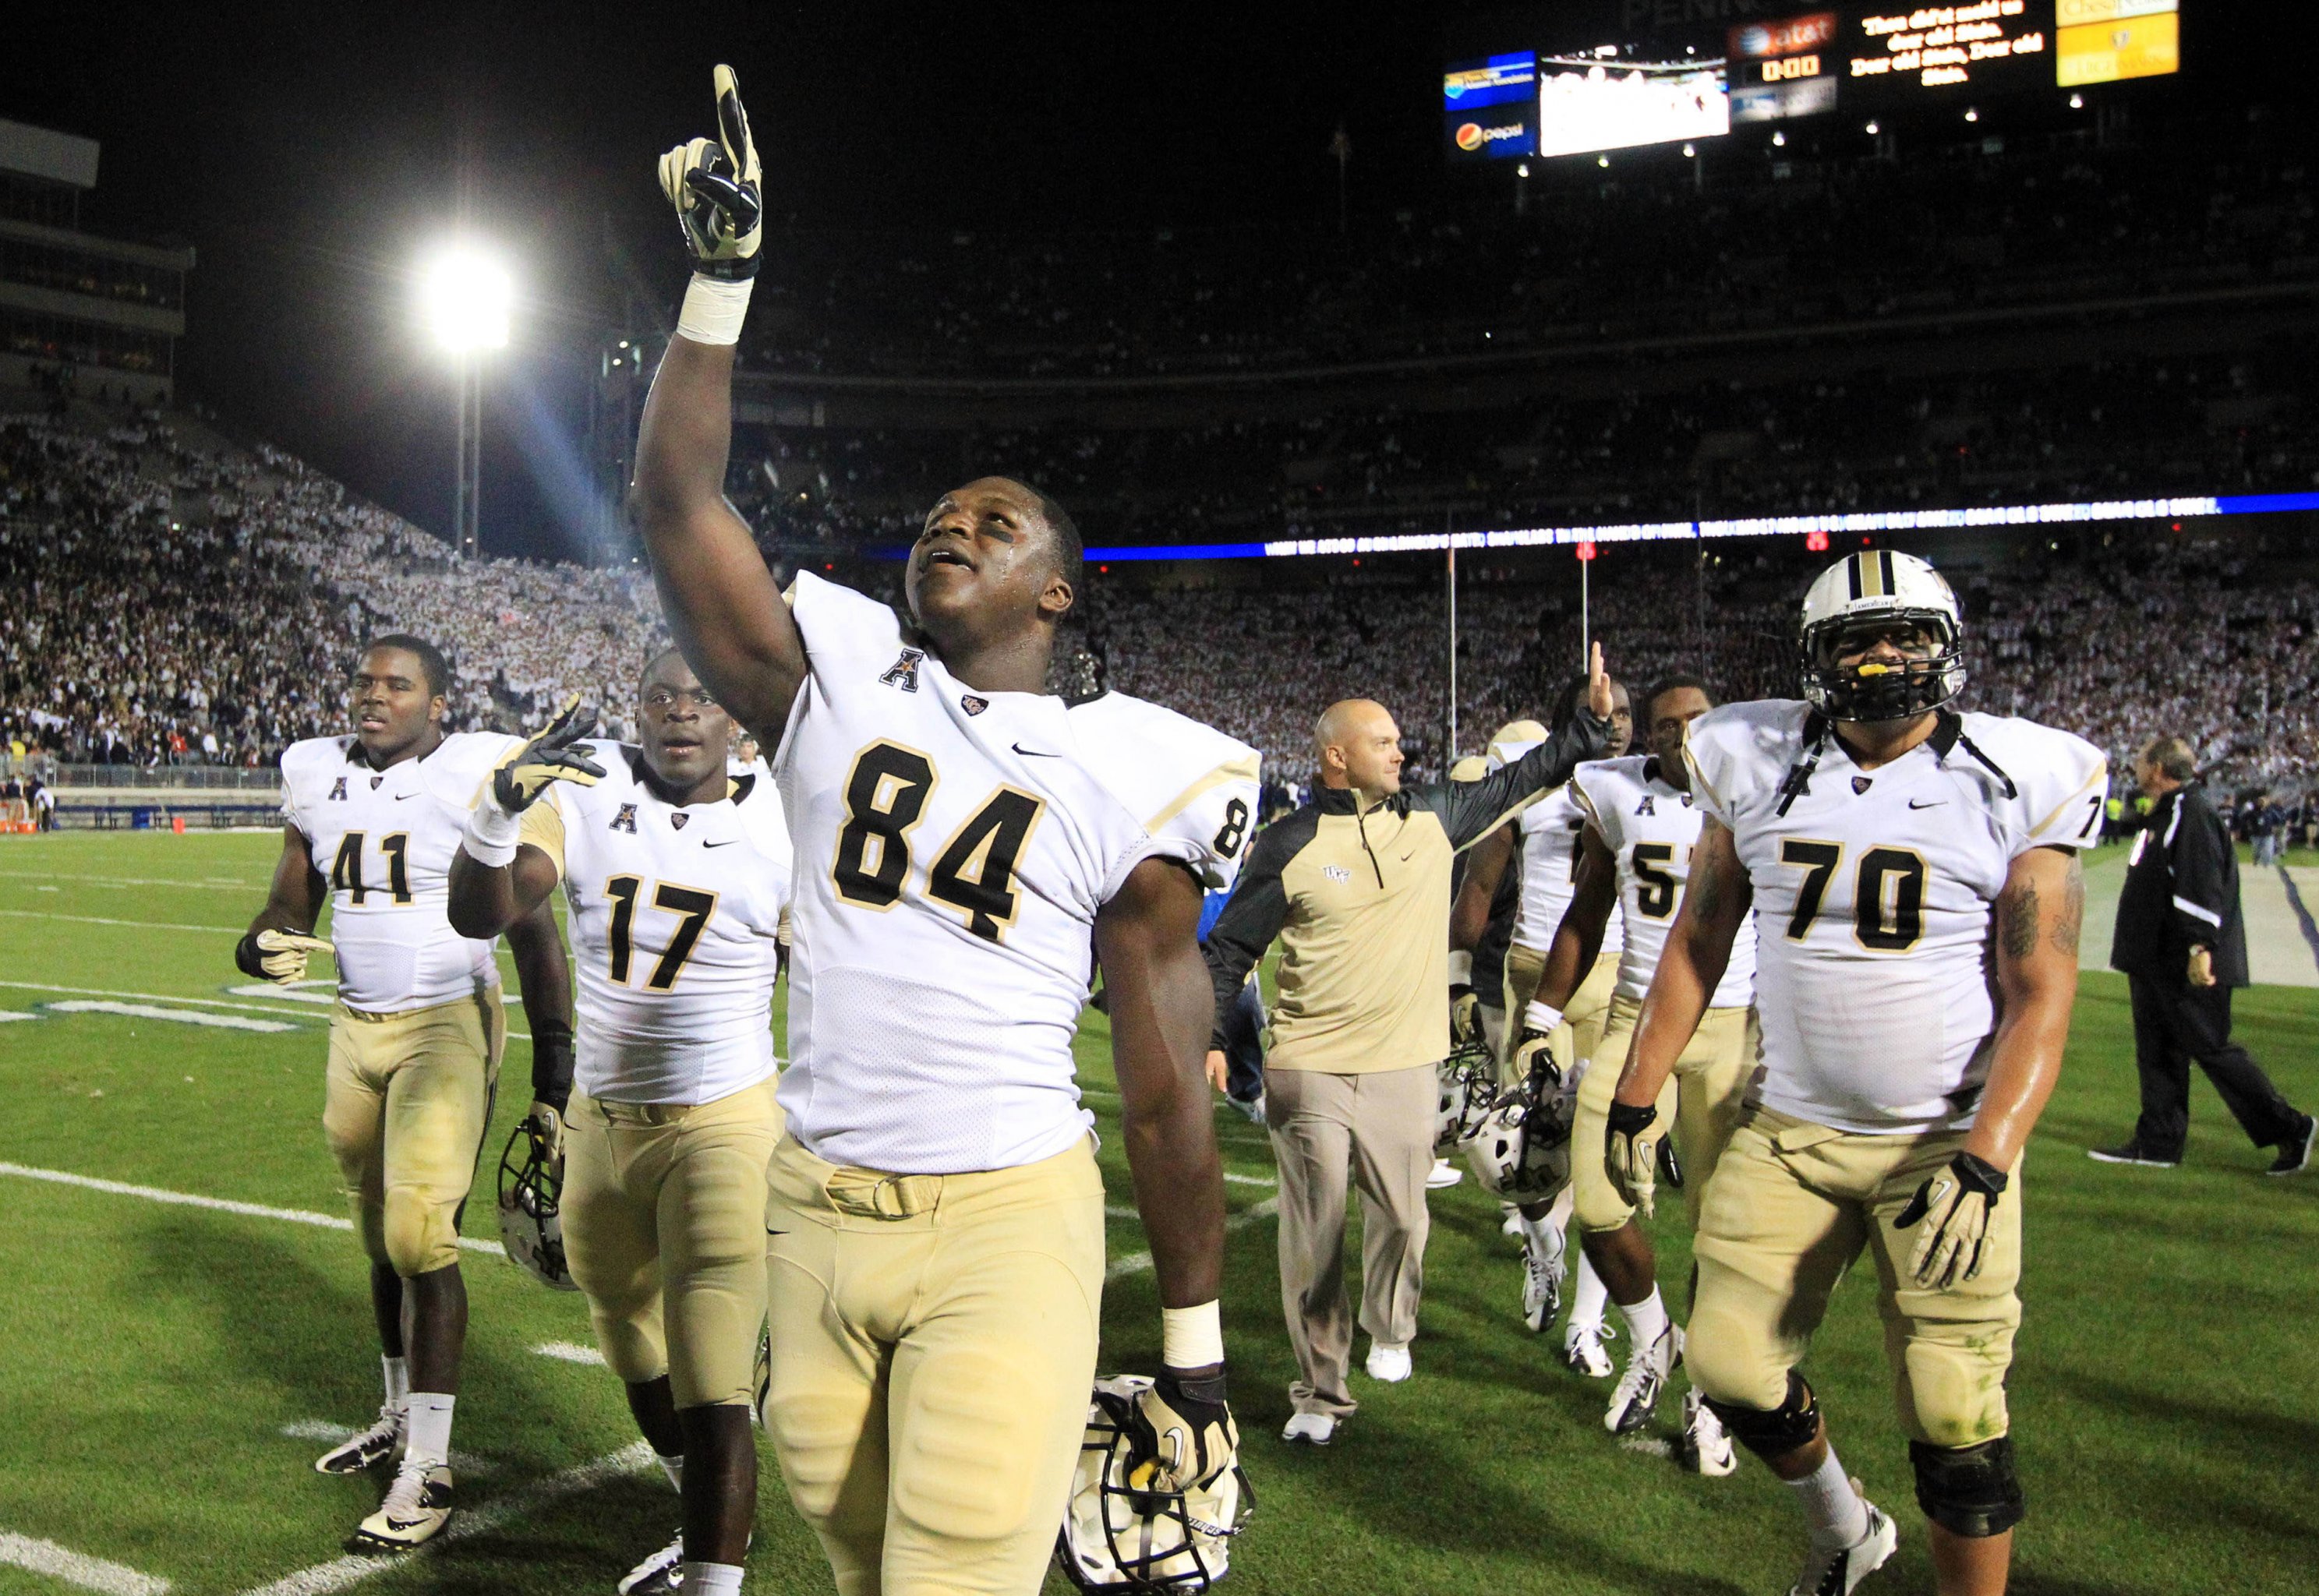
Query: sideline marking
{"points": [[150, 1011], [102, 920], [76, 1568], [8, 1015], [570, 1352], [1136, 1262], [153, 1194], [339, 1572], [207, 885], [153, 997]]}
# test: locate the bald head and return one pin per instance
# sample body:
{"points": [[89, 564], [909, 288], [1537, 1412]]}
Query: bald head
{"points": [[1357, 745]]}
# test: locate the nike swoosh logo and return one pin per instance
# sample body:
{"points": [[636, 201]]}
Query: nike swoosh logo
{"points": [[401, 796], [1935, 803], [728, 842], [771, 1232], [1036, 753]]}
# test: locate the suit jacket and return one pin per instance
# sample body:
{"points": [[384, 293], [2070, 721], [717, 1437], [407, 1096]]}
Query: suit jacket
{"points": [[2181, 891]]}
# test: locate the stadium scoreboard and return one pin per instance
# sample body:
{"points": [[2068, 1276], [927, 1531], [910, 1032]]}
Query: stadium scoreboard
{"points": [[1623, 73]]}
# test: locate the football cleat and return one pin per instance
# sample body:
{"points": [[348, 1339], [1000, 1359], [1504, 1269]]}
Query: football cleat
{"points": [[1636, 1395], [373, 1446], [1312, 1430], [417, 1507], [1583, 1353], [1704, 1449], [1837, 1571], [659, 1574], [1543, 1273]]}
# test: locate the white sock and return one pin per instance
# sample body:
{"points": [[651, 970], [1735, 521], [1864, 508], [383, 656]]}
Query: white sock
{"points": [[398, 1380], [1832, 1508], [672, 1466], [1543, 1235], [712, 1579], [1591, 1298], [1646, 1319], [430, 1436]]}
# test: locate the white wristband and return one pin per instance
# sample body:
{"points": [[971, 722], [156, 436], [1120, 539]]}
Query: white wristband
{"points": [[714, 309], [1191, 1337], [1461, 967], [1541, 1016], [493, 834]]}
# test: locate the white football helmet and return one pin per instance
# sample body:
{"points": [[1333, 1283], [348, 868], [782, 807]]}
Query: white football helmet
{"points": [[1468, 1091], [531, 1195], [1513, 739], [1520, 1152], [1116, 1538], [1880, 585]]}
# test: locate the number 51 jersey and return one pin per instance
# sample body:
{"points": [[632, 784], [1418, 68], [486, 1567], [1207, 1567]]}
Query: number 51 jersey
{"points": [[952, 849], [1873, 895]]}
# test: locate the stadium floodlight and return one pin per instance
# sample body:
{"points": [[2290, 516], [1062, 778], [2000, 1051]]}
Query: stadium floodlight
{"points": [[466, 295]]}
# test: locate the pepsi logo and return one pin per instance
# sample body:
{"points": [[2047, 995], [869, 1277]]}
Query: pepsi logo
{"points": [[1469, 137]]}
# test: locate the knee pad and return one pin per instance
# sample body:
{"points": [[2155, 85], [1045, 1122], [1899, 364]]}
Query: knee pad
{"points": [[1968, 1491], [1778, 1432], [421, 1237]]}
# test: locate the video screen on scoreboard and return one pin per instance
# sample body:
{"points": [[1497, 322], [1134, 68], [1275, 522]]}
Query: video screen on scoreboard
{"points": [[1613, 96]]}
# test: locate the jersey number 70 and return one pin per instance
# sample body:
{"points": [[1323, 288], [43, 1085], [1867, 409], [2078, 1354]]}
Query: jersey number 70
{"points": [[885, 795]]}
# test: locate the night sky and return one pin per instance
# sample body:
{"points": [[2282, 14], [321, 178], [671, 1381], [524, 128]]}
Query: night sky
{"points": [[310, 153]]}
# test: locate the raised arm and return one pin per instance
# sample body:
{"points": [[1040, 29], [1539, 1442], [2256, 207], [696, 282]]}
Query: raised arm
{"points": [[1471, 810], [721, 602], [487, 899]]}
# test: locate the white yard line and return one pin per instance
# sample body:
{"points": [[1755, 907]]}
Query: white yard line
{"points": [[104, 920], [569, 1352], [74, 1568], [296, 1216], [339, 1572], [206, 886], [1236, 1179], [153, 997], [1136, 1262], [8, 1015], [151, 1011]]}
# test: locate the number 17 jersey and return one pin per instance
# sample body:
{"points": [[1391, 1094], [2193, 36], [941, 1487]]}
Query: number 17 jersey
{"points": [[952, 849]]}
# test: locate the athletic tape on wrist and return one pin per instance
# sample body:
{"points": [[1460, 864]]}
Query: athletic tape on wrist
{"points": [[714, 309], [1541, 1016], [493, 834], [1191, 1337], [1461, 969]]}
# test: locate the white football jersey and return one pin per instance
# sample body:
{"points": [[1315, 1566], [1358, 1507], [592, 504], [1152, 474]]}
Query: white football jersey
{"points": [[1193, 788], [383, 840], [1549, 832], [952, 849], [1650, 827], [675, 915], [1873, 895]]}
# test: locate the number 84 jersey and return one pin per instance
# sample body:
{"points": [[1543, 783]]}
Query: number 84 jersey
{"points": [[952, 849], [1873, 893]]}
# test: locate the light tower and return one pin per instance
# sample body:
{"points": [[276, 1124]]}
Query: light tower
{"points": [[466, 297]]}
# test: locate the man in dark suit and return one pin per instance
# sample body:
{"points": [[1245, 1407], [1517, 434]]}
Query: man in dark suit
{"points": [[2182, 945]]}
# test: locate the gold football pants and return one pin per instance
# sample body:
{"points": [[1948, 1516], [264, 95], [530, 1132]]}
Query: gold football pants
{"points": [[1792, 1204], [404, 1106], [1580, 1031], [934, 1345], [664, 1229], [1704, 1097]]}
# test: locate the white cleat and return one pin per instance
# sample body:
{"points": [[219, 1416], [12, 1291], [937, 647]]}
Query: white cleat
{"points": [[1311, 1429], [661, 1572], [1705, 1449], [371, 1447], [1583, 1352], [1837, 1571], [1543, 1273], [417, 1507], [1388, 1364], [1636, 1394], [1443, 1174]]}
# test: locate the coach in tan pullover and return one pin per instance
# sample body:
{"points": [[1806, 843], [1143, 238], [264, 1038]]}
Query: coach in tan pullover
{"points": [[1355, 885]]}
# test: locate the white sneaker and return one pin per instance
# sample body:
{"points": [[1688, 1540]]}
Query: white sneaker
{"points": [[1543, 1273], [1705, 1448], [1314, 1429], [371, 1447], [662, 1571], [1443, 1172], [1582, 1350], [1636, 1395], [1838, 1572], [1388, 1364], [417, 1507]]}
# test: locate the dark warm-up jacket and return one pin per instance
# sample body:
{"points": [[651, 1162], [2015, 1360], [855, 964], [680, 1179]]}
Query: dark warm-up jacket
{"points": [[1360, 900], [2181, 891]]}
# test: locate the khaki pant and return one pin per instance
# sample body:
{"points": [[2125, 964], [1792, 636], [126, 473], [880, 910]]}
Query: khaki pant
{"points": [[1704, 1097], [1378, 1127], [404, 1107], [1582, 1018], [1791, 1206], [663, 1227], [934, 1345]]}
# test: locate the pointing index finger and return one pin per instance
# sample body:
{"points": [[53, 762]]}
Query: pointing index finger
{"points": [[733, 123]]}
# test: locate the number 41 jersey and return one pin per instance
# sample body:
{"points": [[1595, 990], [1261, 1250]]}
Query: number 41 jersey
{"points": [[1873, 895], [952, 849]]}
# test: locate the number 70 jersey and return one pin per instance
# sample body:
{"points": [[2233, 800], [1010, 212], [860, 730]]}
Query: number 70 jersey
{"points": [[1873, 894], [952, 849]]}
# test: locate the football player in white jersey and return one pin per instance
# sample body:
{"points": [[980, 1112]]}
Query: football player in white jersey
{"points": [[415, 1039], [937, 1263], [676, 873], [1914, 874], [1642, 829]]}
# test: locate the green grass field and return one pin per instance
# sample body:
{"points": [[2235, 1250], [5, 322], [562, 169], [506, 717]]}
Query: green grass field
{"points": [[2166, 1399]]}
